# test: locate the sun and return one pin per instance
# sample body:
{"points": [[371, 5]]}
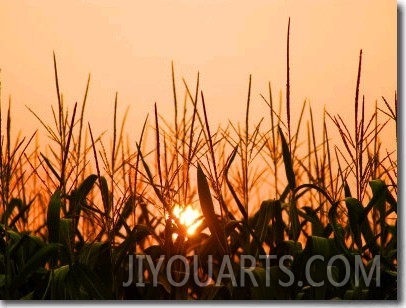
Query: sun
{"points": [[187, 216]]}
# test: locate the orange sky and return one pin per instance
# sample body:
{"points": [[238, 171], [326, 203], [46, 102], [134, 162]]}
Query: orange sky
{"points": [[128, 46]]}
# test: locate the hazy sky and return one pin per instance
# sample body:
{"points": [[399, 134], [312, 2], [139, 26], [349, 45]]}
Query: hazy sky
{"points": [[128, 46]]}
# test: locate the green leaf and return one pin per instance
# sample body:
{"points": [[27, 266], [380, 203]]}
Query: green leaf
{"points": [[359, 225], [155, 251], [287, 160], [138, 233], [78, 196], [53, 217], [86, 186], [91, 282], [209, 214], [337, 229], [37, 261], [311, 216], [355, 210], [97, 257], [270, 210], [260, 292], [29, 296], [59, 285], [294, 219], [253, 288], [25, 248], [47, 161], [320, 247], [379, 194], [14, 202], [125, 213], [347, 191], [66, 233], [230, 186], [104, 189]]}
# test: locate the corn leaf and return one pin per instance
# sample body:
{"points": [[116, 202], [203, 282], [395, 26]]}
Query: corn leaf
{"points": [[53, 217], [287, 160], [379, 193], [209, 214], [34, 263], [104, 189]]}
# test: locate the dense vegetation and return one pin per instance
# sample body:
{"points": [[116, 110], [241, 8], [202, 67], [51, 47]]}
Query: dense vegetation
{"points": [[72, 213]]}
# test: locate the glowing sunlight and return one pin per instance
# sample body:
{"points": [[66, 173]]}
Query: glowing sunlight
{"points": [[187, 217]]}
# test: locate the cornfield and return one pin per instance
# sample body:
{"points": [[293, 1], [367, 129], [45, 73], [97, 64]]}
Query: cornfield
{"points": [[85, 218]]}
